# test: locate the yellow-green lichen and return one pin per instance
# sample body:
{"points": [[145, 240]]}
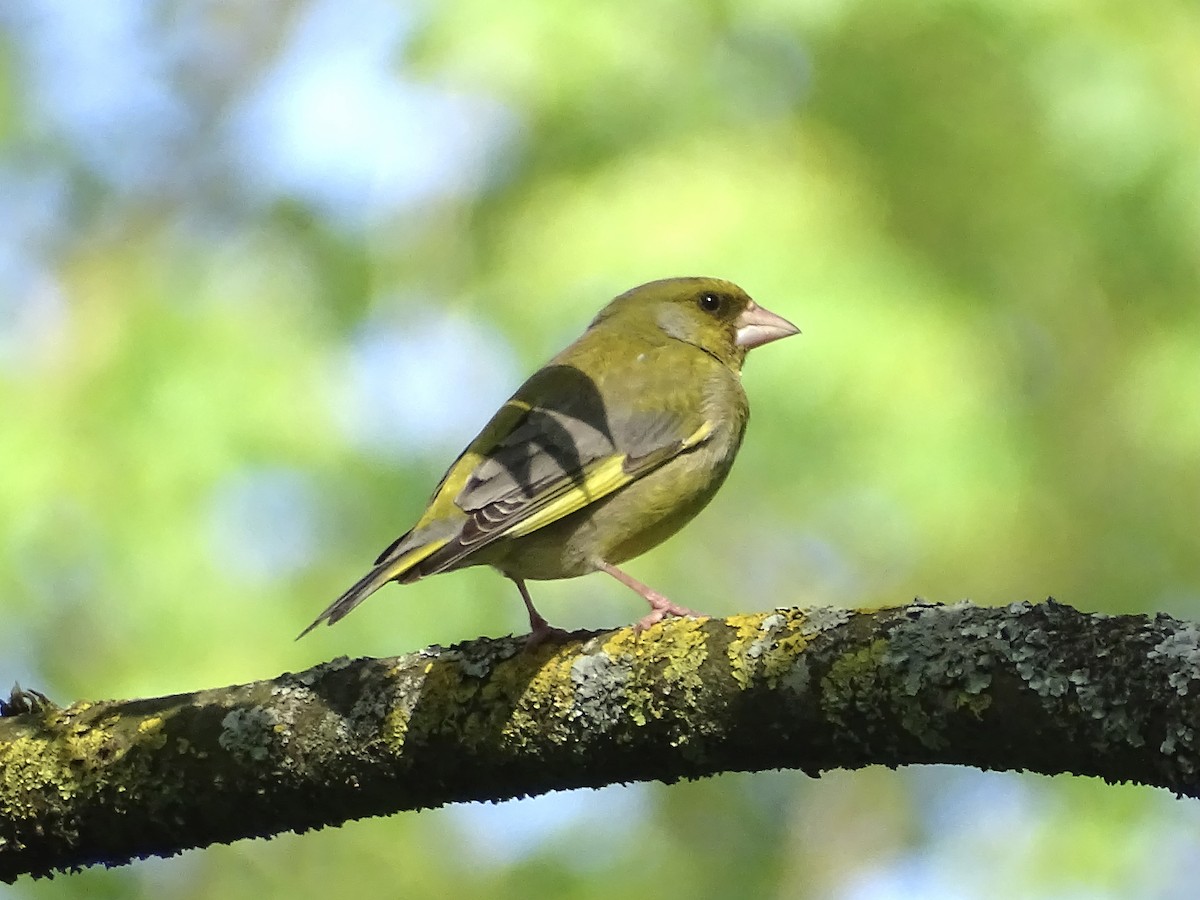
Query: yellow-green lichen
{"points": [[853, 675], [660, 661], [95, 746], [770, 646], [753, 637], [68, 760], [444, 682], [26, 770], [395, 728], [859, 682], [152, 733], [391, 702], [547, 695]]}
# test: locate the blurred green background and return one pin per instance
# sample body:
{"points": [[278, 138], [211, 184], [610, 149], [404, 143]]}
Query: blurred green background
{"points": [[265, 267]]}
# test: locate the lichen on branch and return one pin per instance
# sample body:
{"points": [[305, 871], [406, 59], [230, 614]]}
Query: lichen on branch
{"points": [[1039, 687]]}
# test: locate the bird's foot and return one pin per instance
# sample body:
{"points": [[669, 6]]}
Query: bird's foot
{"points": [[23, 700], [542, 632], [660, 608]]}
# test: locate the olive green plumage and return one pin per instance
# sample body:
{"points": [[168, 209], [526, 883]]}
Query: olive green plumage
{"points": [[609, 449]]}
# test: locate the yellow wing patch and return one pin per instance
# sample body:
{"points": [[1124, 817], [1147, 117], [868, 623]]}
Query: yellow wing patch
{"points": [[386, 571], [442, 500], [602, 479]]}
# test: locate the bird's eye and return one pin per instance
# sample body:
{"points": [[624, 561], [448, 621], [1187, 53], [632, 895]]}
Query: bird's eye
{"points": [[709, 302]]}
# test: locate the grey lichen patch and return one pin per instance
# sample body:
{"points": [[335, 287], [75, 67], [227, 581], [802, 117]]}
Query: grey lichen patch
{"points": [[1030, 650], [1100, 695], [771, 622], [298, 712], [377, 697], [476, 658], [249, 733], [823, 618], [1027, 646], [941, 646], [1180, 743], [600, 682], [935, 662], [798, 677], [956, 650], [1105, 702], [288, 699], [1181, 649]]}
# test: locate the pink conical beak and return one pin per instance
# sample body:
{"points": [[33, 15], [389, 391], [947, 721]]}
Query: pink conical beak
{"points": [[757, 326]]}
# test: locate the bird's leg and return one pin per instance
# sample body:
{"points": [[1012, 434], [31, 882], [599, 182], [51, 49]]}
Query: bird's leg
{"points": [[539, 629], [660, 606]]}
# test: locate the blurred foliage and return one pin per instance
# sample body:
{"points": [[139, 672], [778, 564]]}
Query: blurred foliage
{"points": [[265, 267]]}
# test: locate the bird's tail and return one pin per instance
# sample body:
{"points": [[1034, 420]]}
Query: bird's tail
{"points": [[389, 568]]}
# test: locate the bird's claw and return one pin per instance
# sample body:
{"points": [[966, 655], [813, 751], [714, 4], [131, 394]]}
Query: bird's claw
{"points": [[543, 633], [25, 700], [660, 608]]}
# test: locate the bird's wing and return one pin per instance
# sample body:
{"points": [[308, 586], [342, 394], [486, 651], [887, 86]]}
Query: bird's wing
{"points": [[502, 503], [546, 457]]}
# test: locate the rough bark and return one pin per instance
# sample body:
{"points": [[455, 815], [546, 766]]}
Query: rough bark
{"points": [[1038, 687]]}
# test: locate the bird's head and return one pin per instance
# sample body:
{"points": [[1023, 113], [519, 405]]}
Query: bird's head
{"points": [[715, 315]]}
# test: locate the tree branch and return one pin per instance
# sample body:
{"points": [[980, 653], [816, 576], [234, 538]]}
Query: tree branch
{"points": [[1039, 687]]}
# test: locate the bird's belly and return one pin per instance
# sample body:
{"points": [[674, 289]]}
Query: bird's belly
{"points": [[626, 524]]}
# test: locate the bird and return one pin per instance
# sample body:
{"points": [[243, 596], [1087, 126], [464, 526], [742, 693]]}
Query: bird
{"points": [[602, 454]]}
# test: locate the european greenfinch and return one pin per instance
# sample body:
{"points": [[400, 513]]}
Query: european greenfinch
{"points": [[608, 450]]}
